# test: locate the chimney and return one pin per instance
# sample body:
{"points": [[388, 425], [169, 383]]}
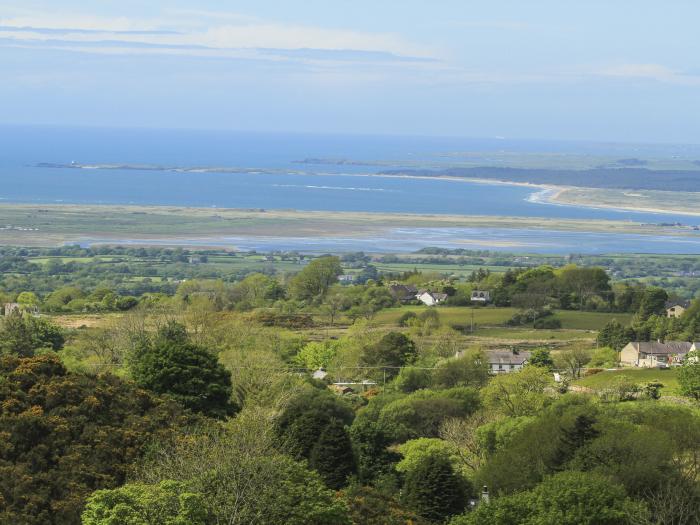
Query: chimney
{"points": [[485, 494]]}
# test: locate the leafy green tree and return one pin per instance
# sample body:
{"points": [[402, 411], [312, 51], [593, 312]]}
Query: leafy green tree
{"points": [[186, 372], [306, 416], [542, 358], [391, 351], [604, 358], [312, 283], [471, 369], [58, 300], [65, 435], [371, 443], [421, 413], [434, 490], [583, 282], [568, 498], [168, 503], [28, 299], [23, 334], [369, 506], [689, 375], [411, 379], [614, 335], [417, 450], [332, 456], [241, 477], [653, 303], [317, 354], [519, 393]]}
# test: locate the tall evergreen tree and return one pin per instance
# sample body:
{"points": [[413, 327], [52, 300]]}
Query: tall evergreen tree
{"points": [[573, 438], [332, 456], [434, 490]]}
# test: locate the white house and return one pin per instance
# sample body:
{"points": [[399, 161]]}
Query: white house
{"points": [[431, 298], [505, 361], [481, 296]]}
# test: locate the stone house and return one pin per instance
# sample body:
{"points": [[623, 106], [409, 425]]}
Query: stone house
{"points": [[655, 354]]}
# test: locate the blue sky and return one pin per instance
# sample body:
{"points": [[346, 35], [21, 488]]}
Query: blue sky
{"points": [[624, 70]]}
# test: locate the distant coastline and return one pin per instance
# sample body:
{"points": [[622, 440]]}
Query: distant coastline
{"points": [[663, 202]]}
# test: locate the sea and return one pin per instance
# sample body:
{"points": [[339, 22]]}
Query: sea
{"points": [[307, 172]]}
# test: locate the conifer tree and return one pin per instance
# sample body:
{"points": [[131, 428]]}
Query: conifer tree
{"points": [[434, 490], [332, 456]]}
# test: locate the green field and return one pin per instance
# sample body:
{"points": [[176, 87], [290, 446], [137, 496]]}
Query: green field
{"points": [[496, 317], [669, 378], [530, 334]]}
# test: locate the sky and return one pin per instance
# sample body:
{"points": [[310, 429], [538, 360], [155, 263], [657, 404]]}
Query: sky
{"points": [[602, 70]]}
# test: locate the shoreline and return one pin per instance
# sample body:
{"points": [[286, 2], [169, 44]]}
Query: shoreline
{"points": [[549, 194]]}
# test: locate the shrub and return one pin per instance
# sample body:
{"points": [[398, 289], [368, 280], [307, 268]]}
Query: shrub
{"points": [[406, 317], [547, 323]]}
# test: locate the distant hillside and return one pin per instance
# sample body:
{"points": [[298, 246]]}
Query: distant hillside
{"points": [[619, 178]]}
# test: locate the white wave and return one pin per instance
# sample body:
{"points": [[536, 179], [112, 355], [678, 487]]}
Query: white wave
{"points": [[542, 196]]}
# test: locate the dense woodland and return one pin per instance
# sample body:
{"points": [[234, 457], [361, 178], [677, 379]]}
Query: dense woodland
{"points": [[197, 398]]}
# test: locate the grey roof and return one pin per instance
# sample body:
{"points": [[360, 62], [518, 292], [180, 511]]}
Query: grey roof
{"points": [[683, 304], [656, 348], [507, 357], [403, 290]]}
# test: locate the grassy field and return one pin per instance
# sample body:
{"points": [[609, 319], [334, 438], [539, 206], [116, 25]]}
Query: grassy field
{"points": [[530, 334], [496, 317], [669, 378]]}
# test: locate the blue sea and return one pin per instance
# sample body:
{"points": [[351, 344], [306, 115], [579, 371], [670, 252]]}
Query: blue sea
{"points": [[275, 179]]}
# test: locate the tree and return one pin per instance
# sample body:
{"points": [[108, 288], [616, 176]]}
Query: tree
{"points": [[392, 351], [167, 503], [615, 336], [28, 299], [417, 450], [434, 490], [689, 375], [604, 358], [584, 282], [471, 369], [653, 303], [312, 283], [65, 435], [568, 498], [332, 306], [332, 455], [542, 358], [369, 506], [421, 413], [574, 359], [186, 372], [305, 418], [316, 355], [23, 334], [519, 393], [241, 476]]}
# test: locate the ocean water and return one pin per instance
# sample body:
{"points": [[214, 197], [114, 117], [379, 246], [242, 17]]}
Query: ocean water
{"points": [[279, 181]]}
